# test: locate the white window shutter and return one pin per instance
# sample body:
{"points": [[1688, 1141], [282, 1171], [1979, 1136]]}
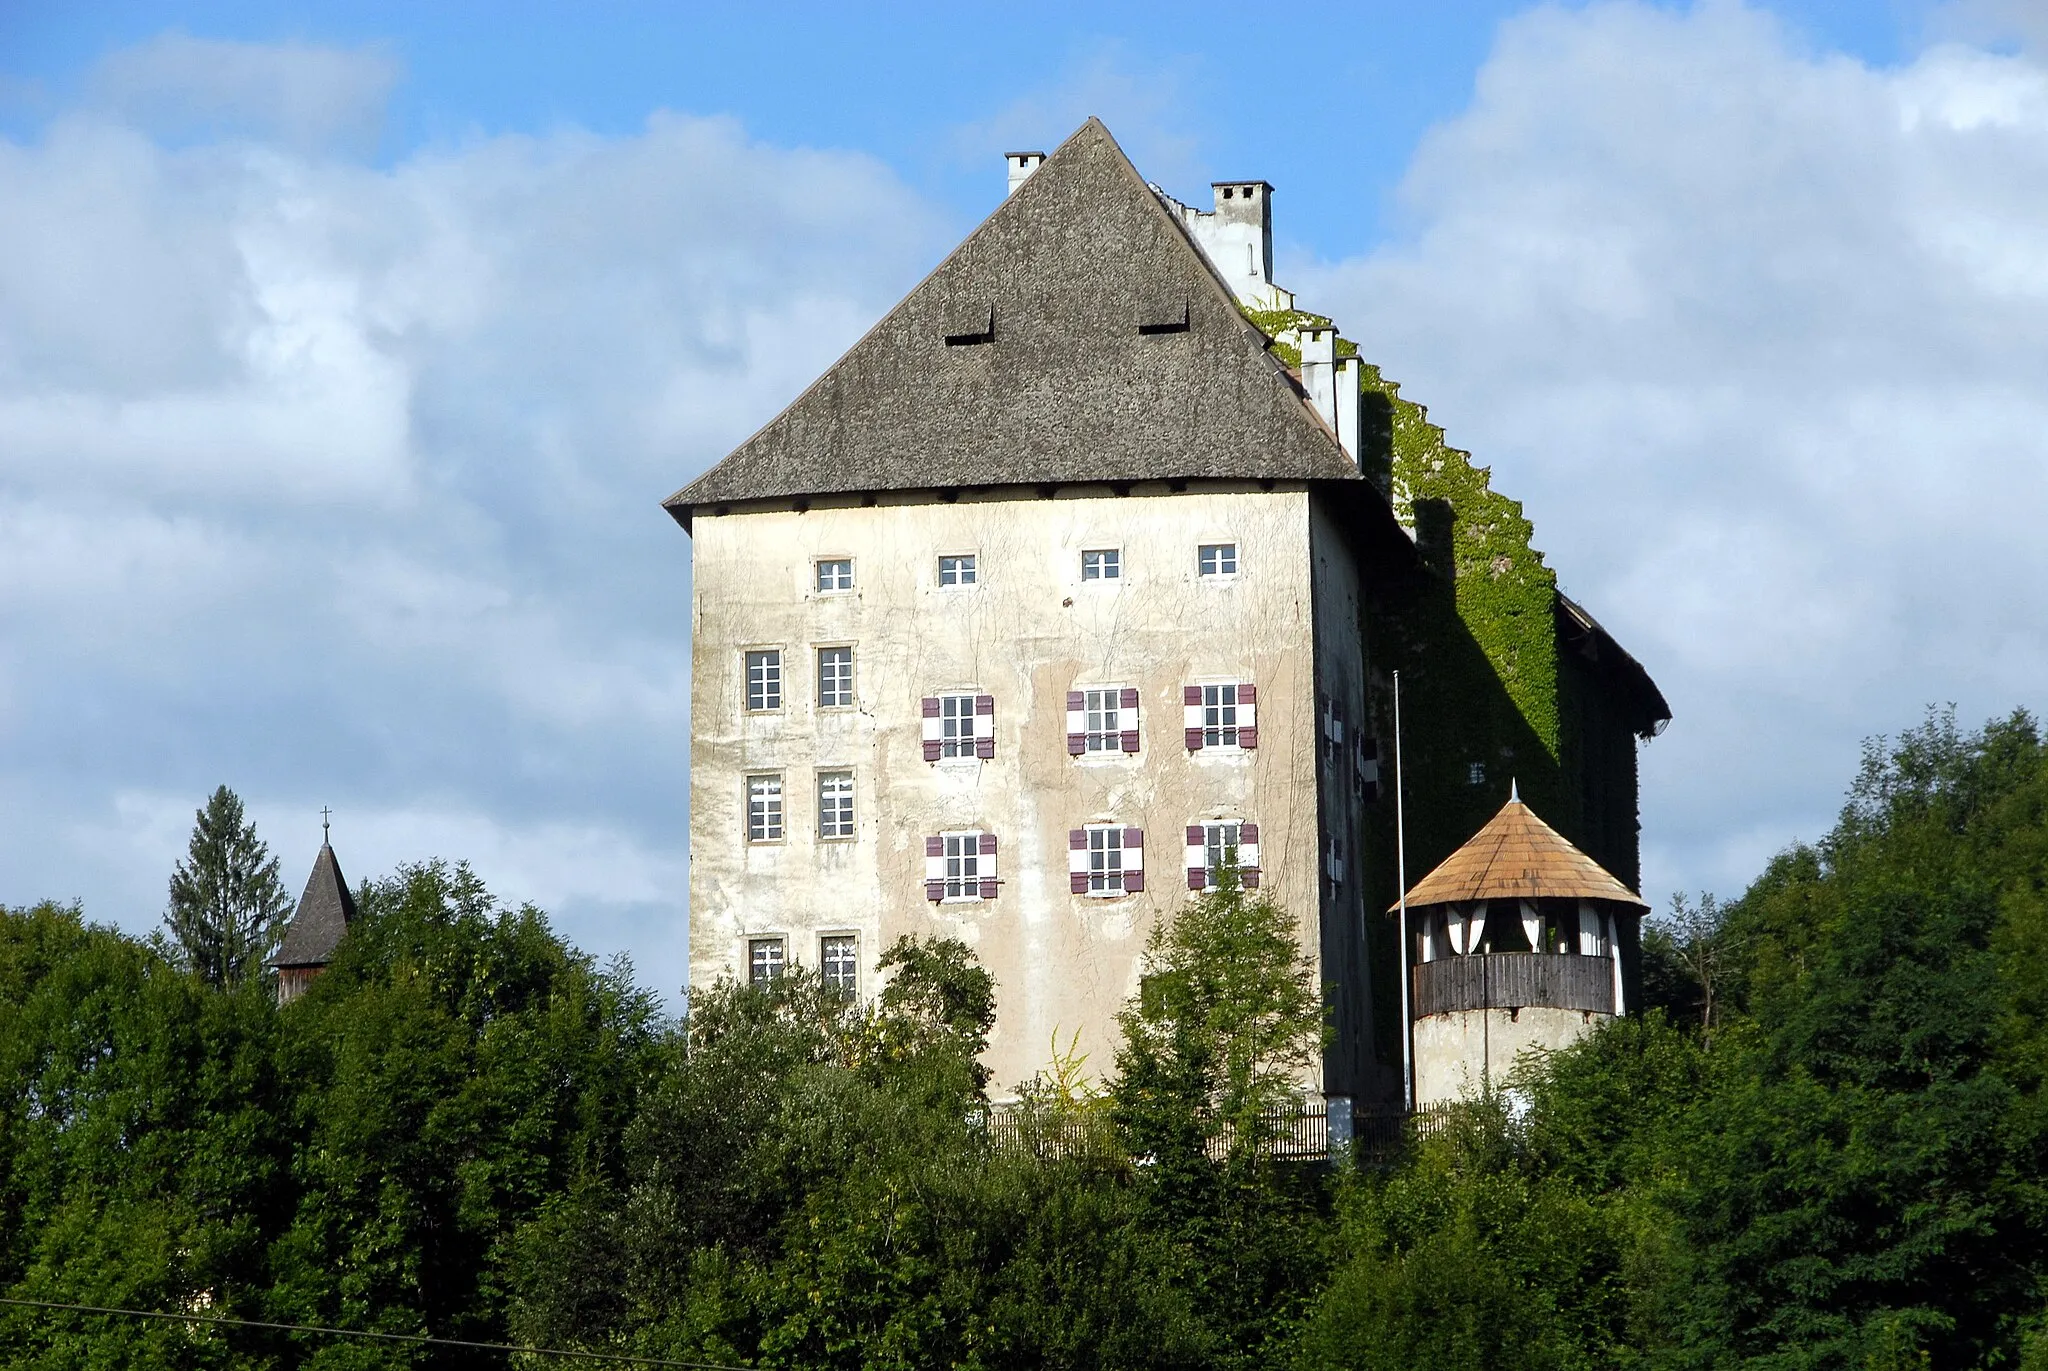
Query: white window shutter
{"points": [[1077, 723], [1197, 857], [989, 887], [1077, 860], [935, 868], [1134, 859], [1248, 853], [1191, 715]]}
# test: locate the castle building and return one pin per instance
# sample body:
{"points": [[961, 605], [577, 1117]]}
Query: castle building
{"points": [[1518, 940], [1067, 580]]}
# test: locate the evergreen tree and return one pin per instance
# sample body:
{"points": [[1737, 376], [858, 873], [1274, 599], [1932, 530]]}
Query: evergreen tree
{"points": [[227, 907]]}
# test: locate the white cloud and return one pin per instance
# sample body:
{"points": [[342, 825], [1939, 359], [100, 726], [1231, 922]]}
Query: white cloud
{"points": [[341, 481], [1757, 335]]}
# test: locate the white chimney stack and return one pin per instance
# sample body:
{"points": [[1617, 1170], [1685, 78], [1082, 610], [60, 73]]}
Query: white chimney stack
{"points": [[1350, 399], [1319, 372], [1021, 165]]}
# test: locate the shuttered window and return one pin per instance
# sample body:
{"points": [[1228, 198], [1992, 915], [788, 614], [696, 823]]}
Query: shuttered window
{"points": [[959, 726], [1211, 846], [1221, 715], [1106, 860], [960, 866]]}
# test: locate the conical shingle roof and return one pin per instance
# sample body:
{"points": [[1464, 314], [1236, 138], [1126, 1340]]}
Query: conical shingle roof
{"points": [[1518, 856], [1091, 341], [324, 914]]}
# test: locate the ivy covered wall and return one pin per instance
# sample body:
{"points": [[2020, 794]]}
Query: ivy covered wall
{"points": [[1492, 692]]}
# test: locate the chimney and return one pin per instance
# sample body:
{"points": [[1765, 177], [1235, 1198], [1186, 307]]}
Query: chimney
{"points": [[1244, 236], [1319, 371], [1021, 165], [1349, 398]]}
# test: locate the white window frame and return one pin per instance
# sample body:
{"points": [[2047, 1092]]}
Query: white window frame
{"points": [[767, 959], [963, 862], [840, 584], [1108, 565], [1219, 715], [956, 729], [1219, 840], [1102, 726], [850, 944], [836, 815], [767, 815], [1105, 860], [762, 679], [1219, 554], [966, 569], [843, 696]]}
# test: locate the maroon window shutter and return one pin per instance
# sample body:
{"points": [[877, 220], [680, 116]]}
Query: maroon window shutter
{"points": [[985, 748], [1192, 697], [988, 849], [1247, 834], [1248, 734], [935, 890], [1198, 877], [1077, 841], [1249, 879], [1247, 693], [929, 709], [1197, 835], [1077, 743], [1134, 881], [1127, 700], [932, 749], [930, 705]]}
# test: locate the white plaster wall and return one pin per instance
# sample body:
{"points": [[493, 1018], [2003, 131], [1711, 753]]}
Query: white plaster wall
{"points": [[1451, 1048], [1027, 633]]}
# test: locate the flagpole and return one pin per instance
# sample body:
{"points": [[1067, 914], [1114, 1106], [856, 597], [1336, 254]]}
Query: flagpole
{"points": [[1401, 876]]}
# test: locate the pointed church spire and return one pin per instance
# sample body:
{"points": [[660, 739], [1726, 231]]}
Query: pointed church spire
{"points": [[324, 914]]}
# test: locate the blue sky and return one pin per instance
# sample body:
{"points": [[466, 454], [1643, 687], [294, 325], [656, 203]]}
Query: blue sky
{"points": [[346, 351]]}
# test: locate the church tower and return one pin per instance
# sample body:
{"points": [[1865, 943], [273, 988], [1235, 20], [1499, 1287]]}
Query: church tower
{"points": [[324, 914]]}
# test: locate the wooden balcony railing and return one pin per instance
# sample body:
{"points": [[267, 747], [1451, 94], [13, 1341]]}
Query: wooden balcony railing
{"points": [[1514, 980]]}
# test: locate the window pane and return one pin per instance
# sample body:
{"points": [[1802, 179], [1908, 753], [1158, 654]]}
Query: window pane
{"points": [[764, 680], [1105, 720], [1106, 861], [1219, 559], [835, 574], [963, 866], [764, 809], [1219, 716], [1101, 564], [764, 960], [1221, 846], [956, 571], [835, 677], [839, 963], [956, 725], [835, 804]]}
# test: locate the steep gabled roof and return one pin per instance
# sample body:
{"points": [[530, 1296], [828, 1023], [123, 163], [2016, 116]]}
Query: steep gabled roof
{"points": [[324, 914], [1518, 856], [1091, 342]]}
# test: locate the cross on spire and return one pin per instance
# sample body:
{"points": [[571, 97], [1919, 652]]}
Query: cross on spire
{"points": [[324, 812]]}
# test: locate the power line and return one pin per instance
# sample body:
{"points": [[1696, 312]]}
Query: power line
{"points": [[619, 1357]]}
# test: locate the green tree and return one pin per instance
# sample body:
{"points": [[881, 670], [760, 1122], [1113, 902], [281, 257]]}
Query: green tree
{"points": [[227, 907]]}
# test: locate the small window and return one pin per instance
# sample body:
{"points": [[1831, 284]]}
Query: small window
{"points": [[839, 963], [764, 960], [764, 681], [1102, 564], [963, 866], [835, 804], [1106, 861], [1219, 716], [764, 809], [1476, 774], [956, 571], [956, 726], [1105, 721], [1218, 559], [1221, 844], [835, 678], [835, 573]]}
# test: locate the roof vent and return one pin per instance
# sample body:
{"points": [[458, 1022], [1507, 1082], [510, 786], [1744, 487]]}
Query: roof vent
{"points": [[1021, 165], [969, 322]]}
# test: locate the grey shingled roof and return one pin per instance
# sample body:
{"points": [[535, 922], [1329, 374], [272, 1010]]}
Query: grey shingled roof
{"points": [[1059, 279], [325, 911]]}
